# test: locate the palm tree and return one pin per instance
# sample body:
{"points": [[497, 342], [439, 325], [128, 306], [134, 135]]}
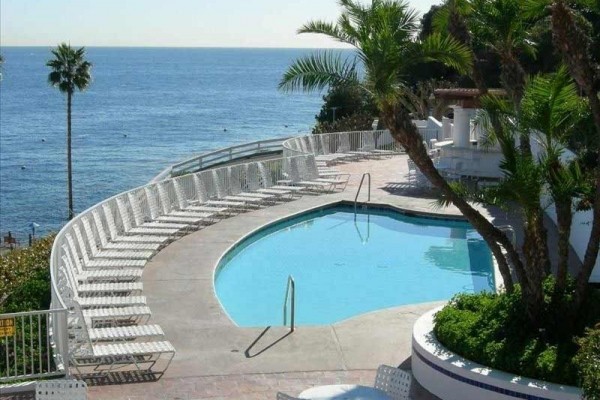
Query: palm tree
{"points": [[386, 45], [69, 72], [550, 106], [572, 40]]}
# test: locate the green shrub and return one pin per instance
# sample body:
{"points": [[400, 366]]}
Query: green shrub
{"points": [[491, 329], [25, 276], [25, 286], [588, 362]]}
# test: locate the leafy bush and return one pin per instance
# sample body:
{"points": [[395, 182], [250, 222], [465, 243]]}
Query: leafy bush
{"points": [[588, 362], [354, 122], [25, 286], [492, 329], [25, 276]]}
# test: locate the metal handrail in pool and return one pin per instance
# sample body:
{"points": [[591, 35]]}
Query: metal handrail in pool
{"points": [[290, 285], [367, 174]]}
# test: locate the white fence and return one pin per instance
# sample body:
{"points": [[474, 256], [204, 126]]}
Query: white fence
{"points": [[27, 343], [340, 142], [225, 155]]}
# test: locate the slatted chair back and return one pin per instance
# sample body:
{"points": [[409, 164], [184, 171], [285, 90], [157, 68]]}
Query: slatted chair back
{"points": [[283, 396], [82, 246], [180, 194], [163, 195], [253, 176], [64, 389], [136, 207], [89, 233], [74, 259], [99, 227], [294, 170], [124, 213], [393, 381], [150, 191], [218, 181], [311, 167], [265, 175], [235, 183], [200, 189], [110, 221]]}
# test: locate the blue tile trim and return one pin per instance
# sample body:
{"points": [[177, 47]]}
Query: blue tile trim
{"points": [[472, 382]]}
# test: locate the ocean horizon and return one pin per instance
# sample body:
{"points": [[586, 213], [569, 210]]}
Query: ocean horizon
{"points": [[147, 108]]}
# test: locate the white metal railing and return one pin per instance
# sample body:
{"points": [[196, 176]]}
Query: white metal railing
{"points": [[290, 294], [27, 343], [227, 154]]}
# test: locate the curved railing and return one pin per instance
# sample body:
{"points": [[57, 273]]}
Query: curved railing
{"points": [[340, 142], [183, 183], [224, 155]]}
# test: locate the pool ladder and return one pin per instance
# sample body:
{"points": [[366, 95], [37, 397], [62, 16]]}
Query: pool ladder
{"points": [[362, 180], [291, 288]]}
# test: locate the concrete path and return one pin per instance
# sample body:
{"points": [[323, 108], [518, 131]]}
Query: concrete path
{"points": [[216, 359]]}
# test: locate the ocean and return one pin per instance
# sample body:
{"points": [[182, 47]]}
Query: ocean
{"points": [[146, 108]]}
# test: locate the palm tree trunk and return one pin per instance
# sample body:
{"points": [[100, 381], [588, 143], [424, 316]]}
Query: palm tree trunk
{"points": [[564, 217], [574, 44], [69, 165], [405, 132]]}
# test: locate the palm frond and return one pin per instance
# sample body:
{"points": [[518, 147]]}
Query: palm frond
{"points": [[316, 71], [443, 49], [328, 29]]}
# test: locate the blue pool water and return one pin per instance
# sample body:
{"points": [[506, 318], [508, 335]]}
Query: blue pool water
{"points": [[343, 268]]}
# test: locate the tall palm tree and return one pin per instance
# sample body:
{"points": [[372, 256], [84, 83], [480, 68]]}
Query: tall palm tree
{"points": [[69, 72], [573, 41], [383, 35]]}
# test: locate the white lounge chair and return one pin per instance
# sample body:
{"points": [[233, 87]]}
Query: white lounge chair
{"points": [[253, 178], [101, 263], [95, 252], [394, 382], [154, 219], [205, 200], [186, 205], [169, 206], [218, 176], [268, 181], [106, 244], [124, 237], [95, 276], [235, 175], [142, 229], [101, 288]]}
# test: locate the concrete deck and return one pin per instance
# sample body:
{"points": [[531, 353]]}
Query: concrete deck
{"points": [[216, 359]]}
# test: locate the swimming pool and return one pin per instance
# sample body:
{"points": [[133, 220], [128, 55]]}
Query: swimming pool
{"points": [[345, 267]]}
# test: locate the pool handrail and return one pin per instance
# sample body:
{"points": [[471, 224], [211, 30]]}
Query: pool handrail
{"points": [[291, 288]]}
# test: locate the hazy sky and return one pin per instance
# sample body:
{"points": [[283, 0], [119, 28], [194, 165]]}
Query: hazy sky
{"points": [[189, 23]]}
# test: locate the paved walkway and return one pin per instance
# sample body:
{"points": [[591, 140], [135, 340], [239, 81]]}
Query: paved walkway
{"points": [[217, 360]]}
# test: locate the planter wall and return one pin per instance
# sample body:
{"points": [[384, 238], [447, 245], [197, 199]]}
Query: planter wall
{"points": [[451, 377]]}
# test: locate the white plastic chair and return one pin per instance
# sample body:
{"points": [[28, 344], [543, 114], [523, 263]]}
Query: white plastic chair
{"points": [[393, 381], [63, 389]]}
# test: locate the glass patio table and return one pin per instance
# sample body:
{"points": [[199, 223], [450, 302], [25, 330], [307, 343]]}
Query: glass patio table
{"points": [[344, 392]]}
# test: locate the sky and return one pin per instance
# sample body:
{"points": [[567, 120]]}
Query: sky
{"points": [[167, 23]]}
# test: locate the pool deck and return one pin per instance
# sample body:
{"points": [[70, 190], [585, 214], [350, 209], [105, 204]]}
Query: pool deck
{"points": [[217, 360]]}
